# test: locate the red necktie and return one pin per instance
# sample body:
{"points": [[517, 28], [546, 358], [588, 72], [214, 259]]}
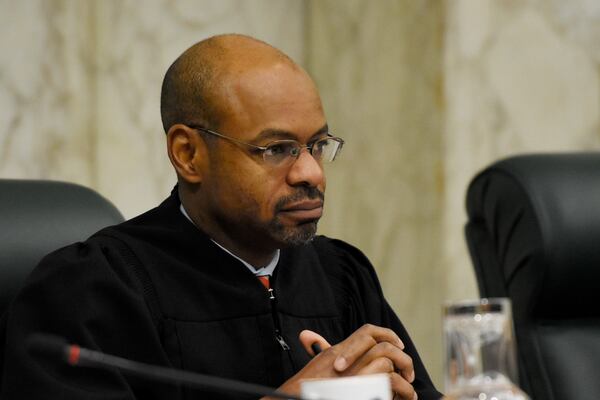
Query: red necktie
{"points": [[264, 279]]}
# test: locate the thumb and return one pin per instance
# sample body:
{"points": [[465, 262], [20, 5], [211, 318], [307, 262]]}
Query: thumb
{"points": [[309, 338]]}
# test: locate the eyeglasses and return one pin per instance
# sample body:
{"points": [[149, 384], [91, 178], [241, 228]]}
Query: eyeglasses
{"points": [[284, 152]]}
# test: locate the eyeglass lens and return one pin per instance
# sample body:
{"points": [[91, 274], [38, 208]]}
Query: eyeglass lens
{"points": [[322, 150]]}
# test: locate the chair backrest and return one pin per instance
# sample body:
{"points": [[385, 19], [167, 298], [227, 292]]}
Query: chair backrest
{"points": [[533, 233], [37, 217]]}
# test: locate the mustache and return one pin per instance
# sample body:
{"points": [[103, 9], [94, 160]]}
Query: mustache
{"points": [[301, 193]]}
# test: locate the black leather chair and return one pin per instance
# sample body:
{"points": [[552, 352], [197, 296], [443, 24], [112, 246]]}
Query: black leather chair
{"points": [[533, 233], [37, 217]]}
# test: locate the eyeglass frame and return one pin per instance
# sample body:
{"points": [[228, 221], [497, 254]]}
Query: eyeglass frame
{"points": [[309, 147]]}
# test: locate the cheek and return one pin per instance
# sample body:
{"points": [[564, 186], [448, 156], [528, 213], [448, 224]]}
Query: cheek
{"points": [[254, 193], [264, 195], [268, 189], [248, 189]]}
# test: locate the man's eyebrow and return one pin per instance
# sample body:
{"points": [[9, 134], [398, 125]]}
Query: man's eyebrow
{"points": [[323, 130], [278, 134]]}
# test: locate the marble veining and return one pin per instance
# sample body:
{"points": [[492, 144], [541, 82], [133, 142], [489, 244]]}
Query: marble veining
{"points": [[382, 94], [80, 85], [527, 81]]}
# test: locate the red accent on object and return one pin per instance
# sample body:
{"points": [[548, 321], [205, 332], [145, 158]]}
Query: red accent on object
{"points": [[265, 281], [74, 351]]}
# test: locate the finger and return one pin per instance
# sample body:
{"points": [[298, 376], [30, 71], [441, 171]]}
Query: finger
{"points": [[381, 365], [381, 334], [402, 388], [309, 339], [361, 341], [400, 361]]}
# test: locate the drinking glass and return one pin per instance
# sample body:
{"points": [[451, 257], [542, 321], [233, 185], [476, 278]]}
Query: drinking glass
{"points": [[480, 351]]}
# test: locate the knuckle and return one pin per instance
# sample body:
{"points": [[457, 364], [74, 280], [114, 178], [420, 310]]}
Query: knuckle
{"points": [[367, 327], [383, 365], [366, 337], [387, 347], [389, 331]]}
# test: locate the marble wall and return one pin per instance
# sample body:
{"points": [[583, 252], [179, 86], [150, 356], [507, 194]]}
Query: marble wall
{"points": [[45, 112], [520, 76], [379, 68], [426, 93], [80, 84], [134, 49]]}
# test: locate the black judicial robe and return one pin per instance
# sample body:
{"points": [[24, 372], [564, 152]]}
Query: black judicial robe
{"points": [[157, 290]]}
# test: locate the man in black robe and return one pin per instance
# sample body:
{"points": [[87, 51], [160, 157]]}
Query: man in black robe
{"points": [[177, 286]]}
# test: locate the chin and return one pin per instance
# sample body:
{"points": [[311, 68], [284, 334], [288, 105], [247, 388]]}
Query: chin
{"points": [[297, 235]]}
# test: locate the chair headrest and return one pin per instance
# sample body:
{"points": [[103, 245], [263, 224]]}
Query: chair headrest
{"points": [[37, 217], [543, 212]]}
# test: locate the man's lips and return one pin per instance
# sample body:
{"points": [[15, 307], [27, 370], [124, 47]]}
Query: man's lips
{"points": [[304, 210]]}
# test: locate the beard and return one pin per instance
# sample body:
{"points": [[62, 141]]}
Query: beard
{"points": [[302, 233], [293, 236]]}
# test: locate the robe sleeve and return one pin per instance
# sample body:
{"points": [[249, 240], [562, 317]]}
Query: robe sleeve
{"points": [[87, 294], [360, 295]]}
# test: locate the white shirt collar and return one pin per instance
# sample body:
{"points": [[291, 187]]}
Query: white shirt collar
{"points": [[267, 270]]}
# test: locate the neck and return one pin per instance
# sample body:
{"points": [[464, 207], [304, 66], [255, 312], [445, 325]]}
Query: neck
{"points": [[253, 256], [249, 252]]}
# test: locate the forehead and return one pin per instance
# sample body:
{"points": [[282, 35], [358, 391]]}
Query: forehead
{"points": [[277, 96]]}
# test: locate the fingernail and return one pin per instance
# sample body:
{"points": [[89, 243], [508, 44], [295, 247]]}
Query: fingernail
{"points": [[400, 344], [415, 397], [412, 378], [340, 363]]}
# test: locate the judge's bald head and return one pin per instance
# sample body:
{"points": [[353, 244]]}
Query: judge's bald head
{"points": [[193, 90]]}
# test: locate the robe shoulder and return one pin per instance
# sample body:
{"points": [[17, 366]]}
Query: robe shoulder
{"points": [[350, 272], [85, 293]]}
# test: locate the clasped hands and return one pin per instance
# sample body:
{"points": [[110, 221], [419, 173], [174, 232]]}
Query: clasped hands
{"points": [[369, 350]]}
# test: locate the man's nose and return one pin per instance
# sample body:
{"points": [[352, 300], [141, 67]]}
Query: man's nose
{"points": [[305, 170]]}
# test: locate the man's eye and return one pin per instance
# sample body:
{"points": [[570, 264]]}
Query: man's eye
{"points": [[279, 149], [319, 146]]}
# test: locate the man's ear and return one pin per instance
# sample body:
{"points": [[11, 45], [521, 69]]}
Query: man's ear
{"points": [[187, 152]]}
